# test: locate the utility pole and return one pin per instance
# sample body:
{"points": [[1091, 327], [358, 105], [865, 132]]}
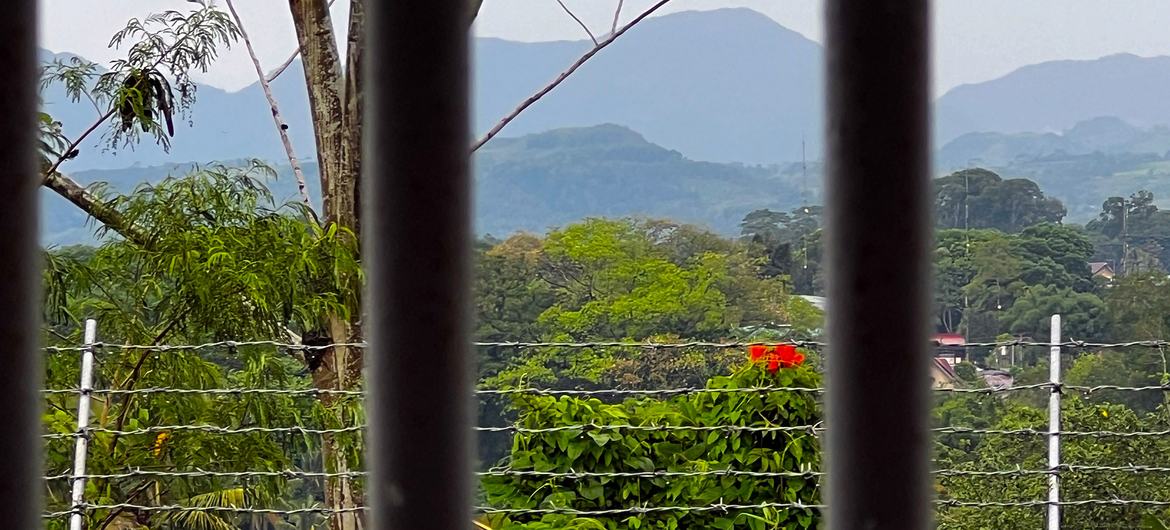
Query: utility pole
{"points": [[804, 198], [967, 250], [1123, 269]]}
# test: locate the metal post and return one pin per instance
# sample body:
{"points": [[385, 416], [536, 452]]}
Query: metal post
{"points": [[417, 239], [879, 239], [1054, 426], [81, 446], [20, 441]]}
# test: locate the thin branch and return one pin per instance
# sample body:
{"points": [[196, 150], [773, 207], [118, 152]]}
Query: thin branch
{"points": [[113, 515], [85, 134], [616, 15], [287, 62], [281, 125], [579, 23], [499, 126]]}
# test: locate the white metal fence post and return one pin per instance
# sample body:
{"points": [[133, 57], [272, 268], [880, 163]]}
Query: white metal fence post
{"points": [[1054, 427], [81, 447]]}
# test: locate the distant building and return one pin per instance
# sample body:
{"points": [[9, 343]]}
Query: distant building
{"points": [[950, 347], [997, 379], [1101, 269], [942, 373]]}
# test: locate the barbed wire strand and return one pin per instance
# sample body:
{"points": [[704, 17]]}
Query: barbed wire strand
{"points": [[508, 472], [630, 510], [814, 429], [199, 473], [1159, 343], [309, 392], [85, 507]]}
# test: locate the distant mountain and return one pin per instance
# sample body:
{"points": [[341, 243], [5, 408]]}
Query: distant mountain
{"points": [[544, 180], [1082, 166], [1053, 96], [1103, 134], [723, 85]]}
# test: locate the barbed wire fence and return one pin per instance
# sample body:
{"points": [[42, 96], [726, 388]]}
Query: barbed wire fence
{"points": [[1052, 474]]}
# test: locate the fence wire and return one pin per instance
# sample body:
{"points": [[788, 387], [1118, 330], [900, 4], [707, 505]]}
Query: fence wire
{"points": [[816, 429]]}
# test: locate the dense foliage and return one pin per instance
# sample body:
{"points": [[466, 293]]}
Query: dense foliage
{"points": [[224, 262], [591, 441]]}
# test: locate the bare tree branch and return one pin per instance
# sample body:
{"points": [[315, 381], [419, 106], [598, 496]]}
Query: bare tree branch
{"points": [[287, 62], [617, 14], [579, 23], [72, 146], [281, 125], [103, 213], [499, 126]]}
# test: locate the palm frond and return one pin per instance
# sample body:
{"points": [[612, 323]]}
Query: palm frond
{"points": [[210, 520]]}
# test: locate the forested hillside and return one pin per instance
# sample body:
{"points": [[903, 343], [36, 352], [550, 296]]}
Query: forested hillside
{"points": [[546, 180]]}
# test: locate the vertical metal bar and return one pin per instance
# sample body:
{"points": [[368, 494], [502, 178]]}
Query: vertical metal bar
{"points": [[1054, 426], [81, 445], [416, 250], [20, 443], [878, 229]]}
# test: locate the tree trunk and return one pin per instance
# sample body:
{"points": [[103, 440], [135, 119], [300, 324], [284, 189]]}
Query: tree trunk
{"points": [[335, 104]]}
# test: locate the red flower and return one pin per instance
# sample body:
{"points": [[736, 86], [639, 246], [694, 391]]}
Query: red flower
{"points": [[778, 356], [788, 356]]}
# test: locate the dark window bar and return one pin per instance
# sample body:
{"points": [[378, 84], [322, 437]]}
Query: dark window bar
{"points": [[416, 250], [20, 443], [878, 231]]}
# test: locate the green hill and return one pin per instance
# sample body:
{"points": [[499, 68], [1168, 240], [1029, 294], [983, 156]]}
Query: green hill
{"points": [[539, 181]]}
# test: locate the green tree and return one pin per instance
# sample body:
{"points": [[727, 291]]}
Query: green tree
{"points": [[784, 239], [223, 261], [978, 198], [1132, 233], [642, 280], [1083, 315]]}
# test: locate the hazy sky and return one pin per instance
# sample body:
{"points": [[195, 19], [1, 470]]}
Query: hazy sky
{"points": [[975, 40]]}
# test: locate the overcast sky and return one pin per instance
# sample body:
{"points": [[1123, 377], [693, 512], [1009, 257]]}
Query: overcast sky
{"points": [[975, 40]]}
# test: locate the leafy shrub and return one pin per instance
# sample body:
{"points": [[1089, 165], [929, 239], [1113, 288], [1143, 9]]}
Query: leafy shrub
{"points": [[583, 435]]}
